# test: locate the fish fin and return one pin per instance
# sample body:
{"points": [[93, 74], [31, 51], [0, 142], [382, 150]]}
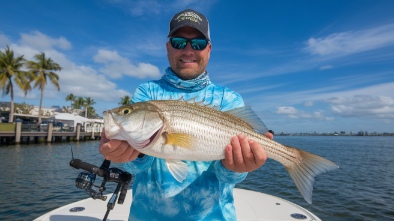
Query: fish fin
{"points": [[180, 140], [178, 169], [303, 174], [248, 115]]}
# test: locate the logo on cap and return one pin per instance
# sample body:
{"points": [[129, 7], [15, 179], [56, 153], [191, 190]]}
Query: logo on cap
{"points": [[189, 16]]}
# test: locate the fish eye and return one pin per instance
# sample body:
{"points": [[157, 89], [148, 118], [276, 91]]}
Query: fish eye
{"points": [[126, 111]]}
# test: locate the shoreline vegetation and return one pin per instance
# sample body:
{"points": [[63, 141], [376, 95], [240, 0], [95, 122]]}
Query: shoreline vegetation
{"points": [[16, 71]]}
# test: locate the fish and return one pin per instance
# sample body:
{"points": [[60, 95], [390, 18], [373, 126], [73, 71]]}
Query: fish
{"points": [[179, 130]]}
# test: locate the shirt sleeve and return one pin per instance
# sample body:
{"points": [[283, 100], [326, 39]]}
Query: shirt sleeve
{"points": [[227, 176], [142, 93], [231, 100]]}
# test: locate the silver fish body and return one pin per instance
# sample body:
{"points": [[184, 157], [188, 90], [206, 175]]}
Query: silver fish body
{"points": [[182, 130]]}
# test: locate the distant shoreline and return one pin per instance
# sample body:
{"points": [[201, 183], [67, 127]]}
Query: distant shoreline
{"points": [[338, 135]]}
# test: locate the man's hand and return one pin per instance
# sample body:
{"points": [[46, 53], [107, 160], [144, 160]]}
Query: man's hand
{"points": [[117, 151], [244, 155]]}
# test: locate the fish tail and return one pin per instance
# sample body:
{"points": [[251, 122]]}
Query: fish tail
{"points": [[303, 173]]}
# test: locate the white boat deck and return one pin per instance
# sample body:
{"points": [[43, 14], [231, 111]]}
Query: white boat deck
{"points": [[250, 206]]}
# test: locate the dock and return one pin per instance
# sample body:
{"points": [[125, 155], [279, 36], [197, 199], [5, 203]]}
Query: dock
{"points": [[16, 133]]}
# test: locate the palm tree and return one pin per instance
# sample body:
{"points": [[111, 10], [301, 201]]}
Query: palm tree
{"points": [[24, 108], [10, 71], [70, 98], [78, 103], [125, 100], [88, 103], [42, 70]]}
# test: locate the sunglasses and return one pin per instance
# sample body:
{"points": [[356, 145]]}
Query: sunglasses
{"points": [[196, 43]]}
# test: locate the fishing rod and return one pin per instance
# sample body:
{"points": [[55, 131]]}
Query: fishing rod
{"points": [[85, 181]]}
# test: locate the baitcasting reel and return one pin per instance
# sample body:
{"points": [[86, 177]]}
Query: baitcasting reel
{"points": [[85, 181]]}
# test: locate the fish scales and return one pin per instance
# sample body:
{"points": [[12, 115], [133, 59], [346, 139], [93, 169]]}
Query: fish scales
{"points": [[182, 130], [198, 120]]}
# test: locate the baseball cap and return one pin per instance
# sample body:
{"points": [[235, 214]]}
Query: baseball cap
{"points": [[192, 19]]}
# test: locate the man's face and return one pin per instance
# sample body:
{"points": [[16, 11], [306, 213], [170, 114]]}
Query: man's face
{"points": [[188, 63]]}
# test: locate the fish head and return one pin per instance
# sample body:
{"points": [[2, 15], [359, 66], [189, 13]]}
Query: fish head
{"points": [[140, 124]]}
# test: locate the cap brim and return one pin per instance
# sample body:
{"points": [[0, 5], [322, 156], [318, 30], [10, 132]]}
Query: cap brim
{"points": [[176, 29]]}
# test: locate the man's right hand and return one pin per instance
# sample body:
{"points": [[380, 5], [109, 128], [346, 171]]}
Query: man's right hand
{"points": [[117, 151]]}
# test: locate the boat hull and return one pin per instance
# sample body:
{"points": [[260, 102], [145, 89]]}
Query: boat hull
{"points": [[250, 205]]}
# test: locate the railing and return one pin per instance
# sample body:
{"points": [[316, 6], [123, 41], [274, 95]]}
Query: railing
{"points": [[49, 131], [44, 128]]}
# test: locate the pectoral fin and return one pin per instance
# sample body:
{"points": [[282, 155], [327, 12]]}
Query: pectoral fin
{"points": [[178, 169], [180, 140]]}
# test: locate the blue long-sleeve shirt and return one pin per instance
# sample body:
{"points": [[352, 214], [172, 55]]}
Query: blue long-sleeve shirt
{"points": [[207, 191]]}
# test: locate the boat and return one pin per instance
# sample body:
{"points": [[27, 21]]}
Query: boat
{"points": [[249, 205]]}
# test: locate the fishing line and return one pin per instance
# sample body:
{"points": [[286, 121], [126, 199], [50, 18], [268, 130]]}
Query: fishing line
{"points": [[72, 154]]}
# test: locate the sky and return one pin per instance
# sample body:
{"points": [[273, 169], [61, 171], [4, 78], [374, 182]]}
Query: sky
{"points": [[303, 66]]}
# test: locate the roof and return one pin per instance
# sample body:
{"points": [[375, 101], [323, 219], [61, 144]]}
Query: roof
{"points": [[67, 116]]}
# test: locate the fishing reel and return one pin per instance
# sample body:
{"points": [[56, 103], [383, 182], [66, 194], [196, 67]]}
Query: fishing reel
{"points": [[85, 181]]}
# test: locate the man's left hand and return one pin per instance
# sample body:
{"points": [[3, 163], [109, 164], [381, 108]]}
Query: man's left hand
{"points": [[244, 155]]}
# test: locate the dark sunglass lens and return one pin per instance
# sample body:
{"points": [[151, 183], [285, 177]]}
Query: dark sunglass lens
{"points": [[199, 44], [178, 43]]}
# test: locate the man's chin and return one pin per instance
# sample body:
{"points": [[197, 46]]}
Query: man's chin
{"points": [[188, 73]]}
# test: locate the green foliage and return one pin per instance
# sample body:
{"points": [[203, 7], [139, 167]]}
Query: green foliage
{"points": [[23, 108], [41, 70], [10, 73], [83, 103], [125, 100]]}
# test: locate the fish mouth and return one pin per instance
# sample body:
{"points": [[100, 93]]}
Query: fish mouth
{"points": [[152, 139], [138, 138]]}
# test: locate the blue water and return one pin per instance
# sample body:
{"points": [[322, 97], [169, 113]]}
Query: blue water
{"points": [[35, 179]]}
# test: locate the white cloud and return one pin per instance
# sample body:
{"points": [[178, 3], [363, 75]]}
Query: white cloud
{"points": [[308, 104], [286, 110], [4, 40], [116, 66], [292, 112], [363, 105], [80, 80], [351, 42], [326, 67], [375, 102], [40, 41], [143, 7]]}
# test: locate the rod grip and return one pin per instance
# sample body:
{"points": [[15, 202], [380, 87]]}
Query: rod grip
{"points": [[79, 164]]}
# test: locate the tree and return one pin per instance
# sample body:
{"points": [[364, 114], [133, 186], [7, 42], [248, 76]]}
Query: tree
{"points": [[10, 70], [67, 110], [42, 69], [92, 112], [23, 108], [70, 98], [88, 103], [78, 103], [125, 100]]}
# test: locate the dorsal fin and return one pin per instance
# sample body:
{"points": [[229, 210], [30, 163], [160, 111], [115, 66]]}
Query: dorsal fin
{"points": [[248, 115]]}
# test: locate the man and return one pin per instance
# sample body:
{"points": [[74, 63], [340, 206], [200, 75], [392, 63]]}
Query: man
{"points": [[207, 192]]}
